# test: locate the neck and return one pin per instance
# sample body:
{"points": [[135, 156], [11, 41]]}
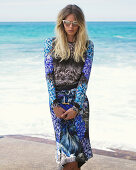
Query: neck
{"points": [[71, 38]]}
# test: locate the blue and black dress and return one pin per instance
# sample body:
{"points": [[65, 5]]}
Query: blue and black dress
{"points": [[67, 83]]}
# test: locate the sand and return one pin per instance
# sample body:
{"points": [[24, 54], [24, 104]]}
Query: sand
{"points": [[28, 153]]}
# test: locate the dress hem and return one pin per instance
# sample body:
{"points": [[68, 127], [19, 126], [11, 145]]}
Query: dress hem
{"points": [[72, 159]]}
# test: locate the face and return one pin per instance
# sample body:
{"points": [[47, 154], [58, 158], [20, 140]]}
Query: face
{"points": [[70, 29]]}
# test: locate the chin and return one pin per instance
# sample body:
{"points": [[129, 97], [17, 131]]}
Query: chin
{"points": [[71, 34]]}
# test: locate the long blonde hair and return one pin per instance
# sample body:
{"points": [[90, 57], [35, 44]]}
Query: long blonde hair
{"points": [[61, 48]]}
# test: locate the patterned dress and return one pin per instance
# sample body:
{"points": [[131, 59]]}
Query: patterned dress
{"points": [[67, 83]]}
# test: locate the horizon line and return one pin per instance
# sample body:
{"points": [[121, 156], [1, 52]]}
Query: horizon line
{"points": [[55, 21]]}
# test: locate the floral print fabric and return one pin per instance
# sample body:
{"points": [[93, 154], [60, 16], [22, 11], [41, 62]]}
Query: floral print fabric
{"points": [[72, 136]]}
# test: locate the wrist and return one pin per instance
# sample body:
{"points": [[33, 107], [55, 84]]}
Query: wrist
{"points": [[75, 109], [55, 104]]}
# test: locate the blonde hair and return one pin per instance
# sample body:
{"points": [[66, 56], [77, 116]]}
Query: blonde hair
{"points": [[61, 48]]}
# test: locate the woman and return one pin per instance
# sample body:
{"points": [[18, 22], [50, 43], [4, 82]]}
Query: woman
{"points": [[68, 59]]}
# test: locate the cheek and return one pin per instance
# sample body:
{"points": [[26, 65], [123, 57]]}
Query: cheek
{"points": [[76, 29], [65, 28]]}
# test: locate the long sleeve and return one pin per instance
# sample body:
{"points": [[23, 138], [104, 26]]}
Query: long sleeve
{"points": [[83, 82], [48, 61]]}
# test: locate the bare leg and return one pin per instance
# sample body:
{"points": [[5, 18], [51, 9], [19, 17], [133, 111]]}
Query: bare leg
{"points": [[71, 166]]}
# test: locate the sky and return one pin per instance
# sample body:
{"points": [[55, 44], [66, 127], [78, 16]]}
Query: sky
{"points": [[47, 10]]}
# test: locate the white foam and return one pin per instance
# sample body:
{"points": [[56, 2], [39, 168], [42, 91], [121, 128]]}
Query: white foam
{"points": [[24, 106]]}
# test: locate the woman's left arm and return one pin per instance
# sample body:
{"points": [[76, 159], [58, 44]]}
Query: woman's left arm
{"points": [[83, 82]]}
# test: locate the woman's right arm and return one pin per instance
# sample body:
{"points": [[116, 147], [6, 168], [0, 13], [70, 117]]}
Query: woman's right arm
{"points": [[48, 62], [49, 74]]}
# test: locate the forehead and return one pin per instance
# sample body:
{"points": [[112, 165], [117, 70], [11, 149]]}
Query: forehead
{"points": [[71, 17]]}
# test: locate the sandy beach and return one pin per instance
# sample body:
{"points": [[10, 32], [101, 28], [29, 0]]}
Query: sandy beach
{"points": [[19, 152]]}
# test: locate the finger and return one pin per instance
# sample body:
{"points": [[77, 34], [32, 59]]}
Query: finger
{"points": [[64, 115], [58, 111], [63, 109], [70, 116], [67, 118], [60, 108]]}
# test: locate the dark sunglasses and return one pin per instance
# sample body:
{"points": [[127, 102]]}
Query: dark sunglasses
{"points": [[67, 23]]}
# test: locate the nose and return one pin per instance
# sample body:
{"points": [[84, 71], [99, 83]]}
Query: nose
{"points": [[71, 25]]}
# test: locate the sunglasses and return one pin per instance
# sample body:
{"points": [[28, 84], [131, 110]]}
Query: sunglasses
{"points": [[67, 23]]}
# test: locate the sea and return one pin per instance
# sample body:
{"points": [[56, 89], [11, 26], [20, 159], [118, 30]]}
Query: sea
{"points": [[24, 100]]}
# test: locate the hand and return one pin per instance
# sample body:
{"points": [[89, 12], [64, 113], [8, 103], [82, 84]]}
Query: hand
{"points": [[58, 111], [69, 114]]}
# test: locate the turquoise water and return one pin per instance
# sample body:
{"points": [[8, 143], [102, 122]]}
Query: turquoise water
{"points": [[24, 98], [109, 37]]}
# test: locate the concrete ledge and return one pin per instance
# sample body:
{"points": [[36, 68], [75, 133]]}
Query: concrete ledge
{"points": [[18, 154]]}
